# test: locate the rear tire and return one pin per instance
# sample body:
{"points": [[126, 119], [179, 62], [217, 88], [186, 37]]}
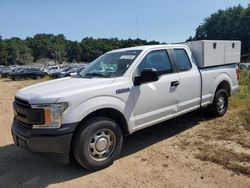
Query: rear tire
{"points": [[17, 78], [97, 143], [220, 103]]}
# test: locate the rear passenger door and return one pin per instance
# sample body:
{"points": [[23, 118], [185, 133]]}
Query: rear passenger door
{"points": [[190, 81]]}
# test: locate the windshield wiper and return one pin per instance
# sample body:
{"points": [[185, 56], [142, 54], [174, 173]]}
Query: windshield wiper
{"points": [[95, 74]]}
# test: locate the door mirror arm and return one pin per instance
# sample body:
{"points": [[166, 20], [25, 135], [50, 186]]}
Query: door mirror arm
{"points": [[137, 80]]}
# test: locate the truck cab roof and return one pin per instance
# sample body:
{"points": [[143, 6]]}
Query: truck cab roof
{"points": [[148, 47]]}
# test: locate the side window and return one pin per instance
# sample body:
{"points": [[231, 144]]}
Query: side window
{"points": [[26, 71], [182, 59], [156, 59], [35, 70]]}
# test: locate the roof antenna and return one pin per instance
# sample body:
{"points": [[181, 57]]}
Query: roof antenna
{"points": [[137, 27]]}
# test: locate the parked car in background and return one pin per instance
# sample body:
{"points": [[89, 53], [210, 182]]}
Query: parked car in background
{"points": [[25, 73], [59, 74], [13, 66], [13, 71], [69, 71], [6, 71], [244, 66], [51, 69], [1, 68], [73, 72]]}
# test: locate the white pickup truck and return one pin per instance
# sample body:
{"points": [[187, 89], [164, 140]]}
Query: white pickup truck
{"points": [[123, 91]]}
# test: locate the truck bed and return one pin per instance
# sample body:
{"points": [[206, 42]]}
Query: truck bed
{"points": [[211, 78]]}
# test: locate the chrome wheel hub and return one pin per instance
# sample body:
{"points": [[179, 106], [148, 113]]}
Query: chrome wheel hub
{"points": [[221, 103], [102, 144]]}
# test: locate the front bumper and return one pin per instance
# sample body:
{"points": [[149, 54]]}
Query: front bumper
{"points": [[43, 140]]}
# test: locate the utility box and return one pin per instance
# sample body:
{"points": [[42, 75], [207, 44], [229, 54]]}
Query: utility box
{"points": [[209, 53]]}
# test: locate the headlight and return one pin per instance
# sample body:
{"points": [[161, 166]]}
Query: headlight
{"points": [[52, 114]]}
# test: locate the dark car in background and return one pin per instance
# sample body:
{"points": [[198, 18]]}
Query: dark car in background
{"points": [[59, 74], [34, 73], [13, 71], [68, 73], [5, 72]]}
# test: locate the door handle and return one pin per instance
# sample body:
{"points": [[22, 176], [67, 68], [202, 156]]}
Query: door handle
{"points": [[175, 83]]}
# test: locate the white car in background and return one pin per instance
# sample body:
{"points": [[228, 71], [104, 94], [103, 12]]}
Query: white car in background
{"points": [[51, 69]]}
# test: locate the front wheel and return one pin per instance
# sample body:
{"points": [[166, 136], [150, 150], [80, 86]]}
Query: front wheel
{"points": [[97, 143], [220, 103]]}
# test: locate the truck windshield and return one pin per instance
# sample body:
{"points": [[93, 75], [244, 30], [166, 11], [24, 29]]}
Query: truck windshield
{"points": [[112, 64]]}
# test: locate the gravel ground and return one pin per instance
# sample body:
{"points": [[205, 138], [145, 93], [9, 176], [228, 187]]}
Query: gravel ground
{"points": [[177, 153]]}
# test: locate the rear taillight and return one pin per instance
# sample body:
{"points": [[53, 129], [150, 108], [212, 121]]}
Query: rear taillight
{"points": [[238, 72]]}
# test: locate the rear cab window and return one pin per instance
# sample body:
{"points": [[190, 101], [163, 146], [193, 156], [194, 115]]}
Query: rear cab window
{"points": [[182, 60]]}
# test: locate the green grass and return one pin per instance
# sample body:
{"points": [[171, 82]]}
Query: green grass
{"points": [[243, 96]]}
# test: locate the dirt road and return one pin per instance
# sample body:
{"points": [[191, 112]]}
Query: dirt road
{"points": [[190, 151]]}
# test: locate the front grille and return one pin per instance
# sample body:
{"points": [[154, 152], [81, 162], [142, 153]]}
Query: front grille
{"points": [[22, 102], [27, 116]]}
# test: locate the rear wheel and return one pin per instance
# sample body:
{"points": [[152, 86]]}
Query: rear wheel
{"points": [[97, 143], [220, 103], [17, 78]]}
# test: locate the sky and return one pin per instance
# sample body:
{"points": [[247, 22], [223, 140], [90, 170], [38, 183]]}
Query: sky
{"points": [[160, 20]]}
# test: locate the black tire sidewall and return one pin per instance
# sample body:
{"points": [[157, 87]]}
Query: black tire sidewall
{"points": [[83, 136]]}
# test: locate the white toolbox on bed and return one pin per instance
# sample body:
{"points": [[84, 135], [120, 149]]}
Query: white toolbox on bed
{"points": [[209, 53]]}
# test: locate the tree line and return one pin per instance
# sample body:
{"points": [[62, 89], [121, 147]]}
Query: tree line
{"points": [[58, 48], [230, 24]]}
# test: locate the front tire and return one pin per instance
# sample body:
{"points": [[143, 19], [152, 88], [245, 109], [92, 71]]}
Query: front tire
{"points": [[97, 143], [220, 103]]}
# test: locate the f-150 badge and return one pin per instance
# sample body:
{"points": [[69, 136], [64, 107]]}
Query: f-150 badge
{"points": [[123, 90]]}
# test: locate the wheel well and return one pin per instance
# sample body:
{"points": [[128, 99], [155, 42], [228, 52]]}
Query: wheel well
{"points": [[224, 85], [112, 114]]}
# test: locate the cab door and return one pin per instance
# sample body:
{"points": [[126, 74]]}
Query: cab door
{"points": [[156, 101], [190, 79]]}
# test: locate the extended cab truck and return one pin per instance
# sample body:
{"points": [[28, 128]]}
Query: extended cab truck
{"points": [[119, 93]]}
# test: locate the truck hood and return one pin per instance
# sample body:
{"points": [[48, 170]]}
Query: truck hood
{"points": [[51, 91]]}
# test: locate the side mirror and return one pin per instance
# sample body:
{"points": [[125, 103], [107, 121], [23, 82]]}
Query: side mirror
{"points": [[147, 75]]}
